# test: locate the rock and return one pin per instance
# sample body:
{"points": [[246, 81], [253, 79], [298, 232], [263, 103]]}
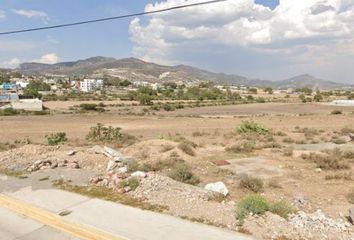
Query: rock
{"points": [[111, 165], [318, 170], [74, 165], [71, 153], [351, 136], [127, 189], [111, 153], [217, 187], [351, 215], [139, 174], [123, 170], [97, 149], [299, 199]]}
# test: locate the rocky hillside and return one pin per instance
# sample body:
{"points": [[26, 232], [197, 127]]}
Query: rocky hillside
{"points": [[135, 69]]}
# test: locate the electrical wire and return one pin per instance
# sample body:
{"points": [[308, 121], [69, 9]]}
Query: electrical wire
{"points": [[110, 18]]}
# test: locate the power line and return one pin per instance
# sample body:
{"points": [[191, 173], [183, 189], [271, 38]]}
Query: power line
{"points": [[110, 18]]}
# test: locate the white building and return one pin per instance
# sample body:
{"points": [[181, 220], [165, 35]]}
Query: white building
{"points": [[89, 85]]}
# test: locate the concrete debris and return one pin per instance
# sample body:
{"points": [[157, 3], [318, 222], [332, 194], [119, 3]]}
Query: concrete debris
{"points": [[217, 187], [48, 164]]}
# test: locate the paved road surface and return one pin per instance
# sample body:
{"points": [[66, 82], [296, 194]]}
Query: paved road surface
{"points": [[116, 219]]}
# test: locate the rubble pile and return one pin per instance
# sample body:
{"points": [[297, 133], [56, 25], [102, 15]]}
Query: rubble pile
{"points": [[116, 171], [36, 157], [315, 226], [48, 164]]}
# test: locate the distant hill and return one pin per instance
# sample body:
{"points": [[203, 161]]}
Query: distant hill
{"points": [[138, 70]]}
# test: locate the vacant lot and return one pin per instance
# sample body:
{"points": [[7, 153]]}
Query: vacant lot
{"points": [[299, 153]]}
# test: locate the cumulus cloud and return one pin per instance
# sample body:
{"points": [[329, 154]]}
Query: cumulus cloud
{"points": [[32, 14], [49, 58], [304, 35]]}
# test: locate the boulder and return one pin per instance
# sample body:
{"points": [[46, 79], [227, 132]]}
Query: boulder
{"points": [[217, 187], [111, 165]]}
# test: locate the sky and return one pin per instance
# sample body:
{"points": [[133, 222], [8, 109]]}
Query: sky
{"points": [[266, 39]]}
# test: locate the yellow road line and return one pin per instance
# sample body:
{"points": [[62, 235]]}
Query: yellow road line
{"points": [[52, 220]]}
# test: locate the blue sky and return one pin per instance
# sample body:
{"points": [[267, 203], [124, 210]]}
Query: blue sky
{"points": [[128, 37]]}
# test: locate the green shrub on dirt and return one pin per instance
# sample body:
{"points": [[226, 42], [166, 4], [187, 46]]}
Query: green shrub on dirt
{"points": [[8, 112], [56, 138], [249, 127], [255, 204]]}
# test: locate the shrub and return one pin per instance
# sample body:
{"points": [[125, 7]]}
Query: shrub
{"points": [[252, 127], [337, 112], [243, 147], [133, 166], [331, 161], [56, 138], [133, 183], [8, 112], [169, 107], [288, 140], [88, 106], [346, 130], [350, 197], [347, 176], [273, 183], [101, 133], [281, 208], [183, 173], [253, 184], [254, 204], [288, 152], [187, 148], [166, 148]]}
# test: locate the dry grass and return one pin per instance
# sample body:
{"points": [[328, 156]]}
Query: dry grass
{"points": [[109, 195]]}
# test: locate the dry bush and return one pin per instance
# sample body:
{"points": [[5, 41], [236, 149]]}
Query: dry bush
{"points": [[280, 134], [331, 161], [253, 184], [347, 176], [166, 148], [338, 140], [337, 112], [288, 140], [183, 173], [346, 130], [350, 197], [242, 147], [274, 183], [187, 147], [288, 152]]}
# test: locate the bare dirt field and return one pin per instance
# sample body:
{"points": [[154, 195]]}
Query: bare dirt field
{"points": [[306, 159]]}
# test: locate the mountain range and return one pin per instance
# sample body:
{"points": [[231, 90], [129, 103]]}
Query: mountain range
{"points": [[138, 70]]}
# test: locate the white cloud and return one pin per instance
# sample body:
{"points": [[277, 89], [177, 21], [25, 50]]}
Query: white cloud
{"points": [[32, 14], [12, 63], [2, 15], [49, 58], [299, 32]]}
